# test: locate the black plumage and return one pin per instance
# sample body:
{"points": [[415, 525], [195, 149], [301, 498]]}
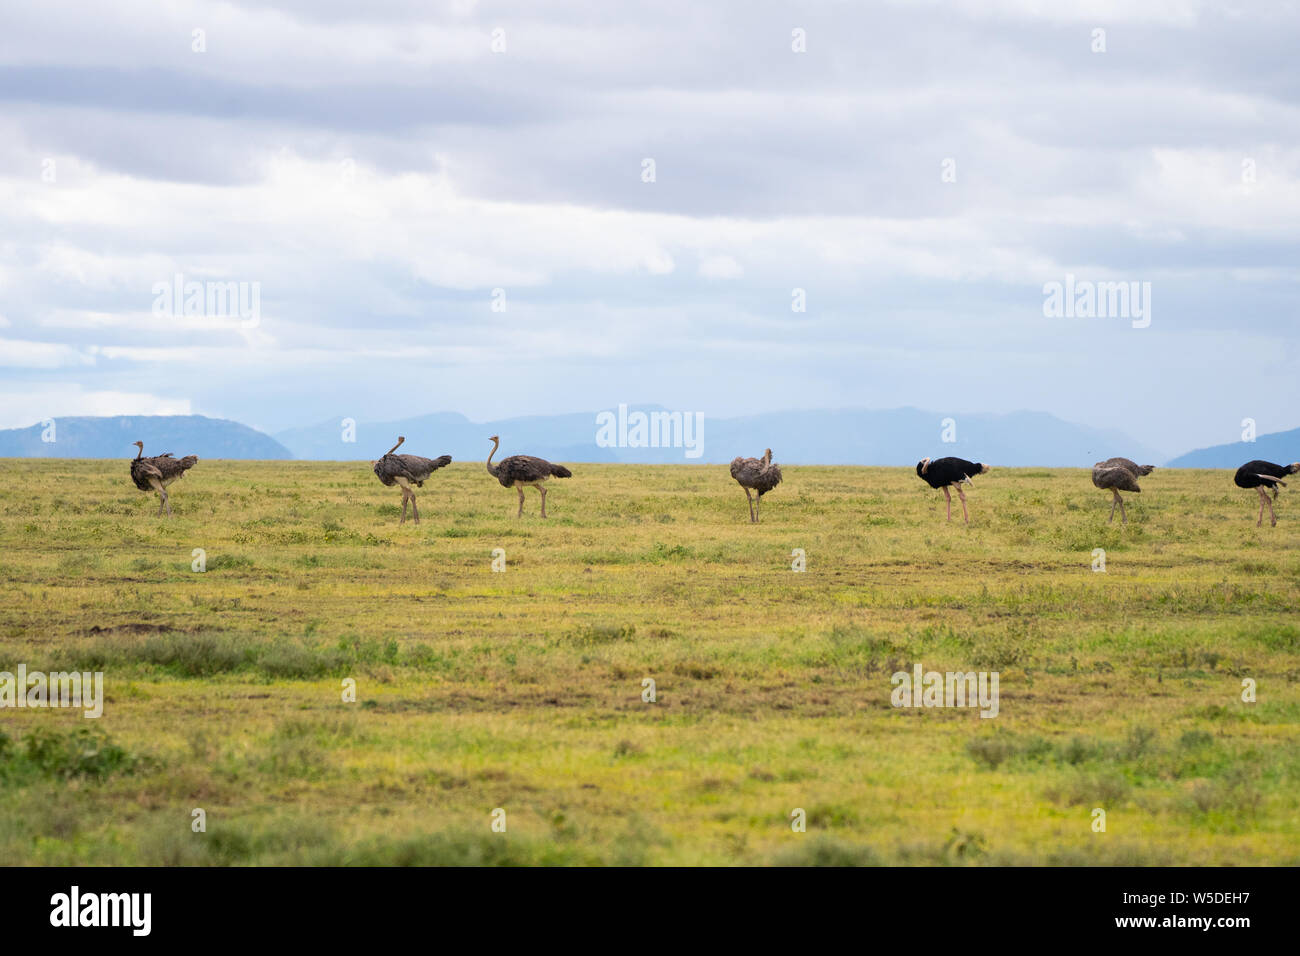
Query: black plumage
{"points": [[407, 470], [156, 473], [1264, 476], [946, 472], [1256, 474], [757, 474], [522, 471], [1116, 475]]}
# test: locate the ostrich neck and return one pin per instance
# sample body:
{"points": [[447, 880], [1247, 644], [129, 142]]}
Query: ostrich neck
{"points": [[491, 470]]}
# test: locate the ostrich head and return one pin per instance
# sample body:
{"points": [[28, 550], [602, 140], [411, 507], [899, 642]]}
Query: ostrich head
{"points": [[923, 466], [767, 456], [985, 469], [495, 439], [1293, 467], [140, 445]]}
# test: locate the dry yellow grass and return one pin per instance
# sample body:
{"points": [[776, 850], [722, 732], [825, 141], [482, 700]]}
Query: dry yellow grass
{"points": [[523, 690]]}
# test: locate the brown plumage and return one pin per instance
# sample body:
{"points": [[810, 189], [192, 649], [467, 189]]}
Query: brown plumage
{"points": [[155, 474], [407, 470], [522, 471], [758, 474], [1116, 475]]}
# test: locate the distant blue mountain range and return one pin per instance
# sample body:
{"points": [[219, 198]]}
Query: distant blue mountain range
{"points": [[1281, 447], [899, 436], [111, 437]]}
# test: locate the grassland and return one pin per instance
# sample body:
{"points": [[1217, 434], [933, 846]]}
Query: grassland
{"points": [[522, 690]]}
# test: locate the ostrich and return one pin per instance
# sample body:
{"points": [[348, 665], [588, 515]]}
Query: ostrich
{"points": [[760, 475], [1119, 474], [402, 470], [519, 471], [155, 474], [1264, 475], [945, 472]]}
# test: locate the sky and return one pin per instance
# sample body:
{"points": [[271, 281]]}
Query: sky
{"points": [[522, 208]]}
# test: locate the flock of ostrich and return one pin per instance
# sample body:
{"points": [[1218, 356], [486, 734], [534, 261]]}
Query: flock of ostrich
{"points": [[757, 476]]}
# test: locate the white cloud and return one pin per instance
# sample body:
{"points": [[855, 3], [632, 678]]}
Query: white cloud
{"points": [[473, 171], [20, 409], [721, 267], [1099, 12], [20, 353]]}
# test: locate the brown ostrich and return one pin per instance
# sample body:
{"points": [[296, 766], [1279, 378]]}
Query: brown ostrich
{"points": [[521, 471], [758, 474], [155, 474], [1116, 475], [405, 470]]}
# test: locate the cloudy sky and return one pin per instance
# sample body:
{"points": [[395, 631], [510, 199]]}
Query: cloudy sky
{"points": [[446, 206]]}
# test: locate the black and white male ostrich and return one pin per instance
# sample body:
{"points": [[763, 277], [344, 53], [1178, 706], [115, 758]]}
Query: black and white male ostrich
{"points": [[759, 474], [405, 470], [946, 472], [155, 474], [521, 471], [1264, 475], [1119, 474]]}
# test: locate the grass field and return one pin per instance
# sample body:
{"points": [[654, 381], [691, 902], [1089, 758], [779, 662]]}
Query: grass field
{"points": [[522, 690]]}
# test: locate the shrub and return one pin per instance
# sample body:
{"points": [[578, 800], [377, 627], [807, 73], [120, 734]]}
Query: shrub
{"points": [[827, 851], [79, 754]]}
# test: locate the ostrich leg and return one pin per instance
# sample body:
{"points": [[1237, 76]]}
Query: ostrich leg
{"points": [[1263, 497], [1122, 513], [162, 497], [758, 507], [961, 493], [1112, 505], [415, 508], [406, 494], [750, 498], [542, 489], [520, 489], [1271, 513], [948, 494]]}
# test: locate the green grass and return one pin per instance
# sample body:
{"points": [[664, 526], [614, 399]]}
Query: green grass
{"points": [[523, 690]]}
